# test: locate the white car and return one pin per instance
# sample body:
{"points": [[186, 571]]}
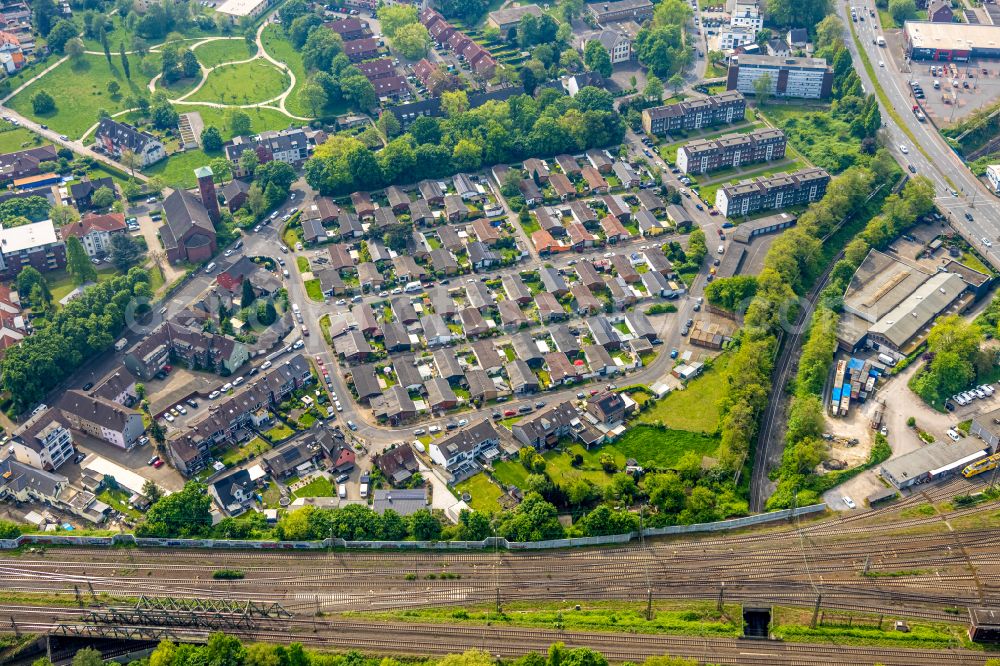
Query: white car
{"points": [[881, 64], [228, 253], [265, 365], [903, 149], [298, 345], [180, 408], [339, 406], [341, 301], [214, 394], [168, 417], [987, 389], [434, 429], [849, 502], [418, 432], [462, 422], [226, 387], [238, 381], [987, 242], [953, 434], [960, 400]]}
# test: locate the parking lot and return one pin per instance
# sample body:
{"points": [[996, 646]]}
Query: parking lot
{"points": [[950, 102]]}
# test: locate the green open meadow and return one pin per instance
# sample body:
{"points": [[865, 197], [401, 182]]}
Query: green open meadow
{"points": [[80, 92], [695, 408], [246, 83], [279, 48], [219, 51]]}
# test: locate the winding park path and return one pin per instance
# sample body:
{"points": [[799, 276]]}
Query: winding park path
{"points": [[277, 103]]}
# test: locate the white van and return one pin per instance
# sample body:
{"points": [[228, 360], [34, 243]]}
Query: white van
{"points": [[121, 344], [722, 249], [342, 491], [210, 267], [295, 308], [364, 490], [412, 287]]}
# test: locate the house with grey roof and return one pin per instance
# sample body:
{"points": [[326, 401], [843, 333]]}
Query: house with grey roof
{"points": [[464, 446], [440, 395], [404, 502], [482, 388], [552, 281], [473, 323], [526, 349], [522, 379], [447, 365]]}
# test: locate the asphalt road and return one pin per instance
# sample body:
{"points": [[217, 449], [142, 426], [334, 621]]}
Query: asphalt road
{"points": [[940, 163]]}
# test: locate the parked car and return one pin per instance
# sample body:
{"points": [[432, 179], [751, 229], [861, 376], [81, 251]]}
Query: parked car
{"points": [[849, 502]]}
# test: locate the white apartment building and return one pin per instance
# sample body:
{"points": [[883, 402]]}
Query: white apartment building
{"points": [[44, 441], [746, 15], [733, 38], [993, 174]]}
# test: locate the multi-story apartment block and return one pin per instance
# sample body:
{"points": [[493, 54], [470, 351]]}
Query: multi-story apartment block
{"points": [[731, 150], [727, 107], [735, 37], [231, 421], [115, 138], [101, 418], [290, 146], [35, 245], [95, 232], [807, 78], [621, 10], [43, 441], [746, 15], [197, 348], [779, 191], [617, 43]]}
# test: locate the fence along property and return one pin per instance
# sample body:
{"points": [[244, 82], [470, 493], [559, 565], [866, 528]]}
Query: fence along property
{"points": [[491, 542]]}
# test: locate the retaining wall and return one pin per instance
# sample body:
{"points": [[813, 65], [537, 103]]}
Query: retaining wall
{"points": [[613, 539]]}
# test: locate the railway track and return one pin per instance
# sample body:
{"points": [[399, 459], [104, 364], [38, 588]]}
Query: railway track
{"points": [[505, 642]]}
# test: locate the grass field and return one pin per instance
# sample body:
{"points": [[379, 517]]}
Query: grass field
{"points": [[695, 618], [695, 408], [260, 119], [219, 51], [18, 138], [80, 92], [313, 290], [318, 487], [254, 447], [178, 169], [61, 283], [657, 447], [485, 494], [120, 34], [281, 49], [511, 472], [248, 83]]}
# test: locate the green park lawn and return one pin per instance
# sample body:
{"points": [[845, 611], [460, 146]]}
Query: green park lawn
{"points": [[485, 494], [178, 169], [278, 47], [247, 83], [254, 447], [260, 119], [651, 446], [80, 92], [61, 283], [18, 138], [121, 33], [313, 290], [695, 408], [220, 51], [318, 487]]}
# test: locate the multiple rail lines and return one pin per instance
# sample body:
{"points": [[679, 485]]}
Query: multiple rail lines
{"points": [[874, 562]]}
